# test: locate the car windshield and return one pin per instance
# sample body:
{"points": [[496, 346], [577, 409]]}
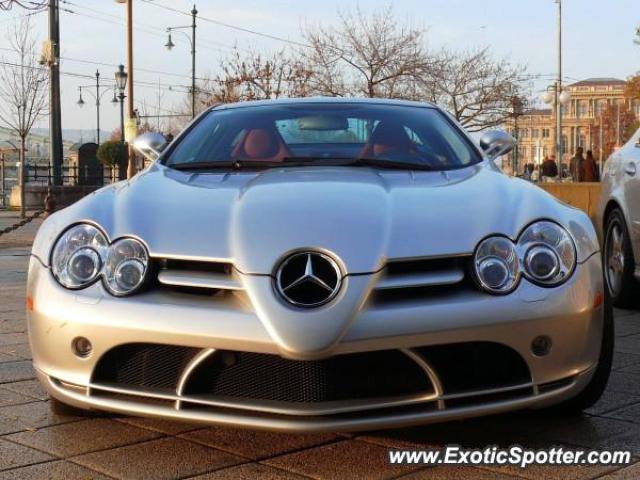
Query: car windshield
{"points": [[353, 134]]}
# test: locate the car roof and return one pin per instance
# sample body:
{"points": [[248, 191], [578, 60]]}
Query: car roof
{"points": [[323, 100]]}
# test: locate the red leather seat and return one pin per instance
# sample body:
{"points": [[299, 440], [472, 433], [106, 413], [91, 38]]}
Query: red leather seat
{"points": [[388, 137], [261, 144]]}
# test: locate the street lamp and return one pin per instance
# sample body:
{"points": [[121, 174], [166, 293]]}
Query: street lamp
{"points": [[121, 83], [517, 106], [98, 95], [192, 40], [80, 100], [552, 97]]}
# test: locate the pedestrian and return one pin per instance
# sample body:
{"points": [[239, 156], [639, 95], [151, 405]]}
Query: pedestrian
{"points": [[528, 170], [535, 174], [575, 164], [549, 167], [589, 171]]}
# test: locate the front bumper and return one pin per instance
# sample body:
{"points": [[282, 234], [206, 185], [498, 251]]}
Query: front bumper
{"points": [[566, 315]]}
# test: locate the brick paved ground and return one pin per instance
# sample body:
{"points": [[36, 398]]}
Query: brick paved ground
{"points": [[36, 444]]}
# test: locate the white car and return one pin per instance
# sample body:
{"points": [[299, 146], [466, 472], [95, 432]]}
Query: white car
{"points": [[619, 222]]}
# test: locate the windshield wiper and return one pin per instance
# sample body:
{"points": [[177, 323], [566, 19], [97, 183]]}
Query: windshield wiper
{"points": [[225, 165], [358, 162], [301, 162]]}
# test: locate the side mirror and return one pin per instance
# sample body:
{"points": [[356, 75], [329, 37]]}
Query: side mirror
{"points": [[150, 145], [497, 143]]}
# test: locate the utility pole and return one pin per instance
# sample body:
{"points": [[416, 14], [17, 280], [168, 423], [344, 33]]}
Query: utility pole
{"points": [[55, 122], [618, 124], [2, 178], [131, 168], [194, 12], [559, 90], [601, 139], [97, 108], [170, 45]]}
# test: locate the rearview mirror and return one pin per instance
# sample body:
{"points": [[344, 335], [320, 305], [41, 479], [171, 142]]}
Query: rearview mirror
{"points": [[150, 145], [497, 143], [323, 123]]}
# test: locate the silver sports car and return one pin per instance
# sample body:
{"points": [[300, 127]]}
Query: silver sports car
{"points": [[619, 220], [319, 264]]}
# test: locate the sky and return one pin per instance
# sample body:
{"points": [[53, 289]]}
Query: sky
{"points": [[597, 39]]}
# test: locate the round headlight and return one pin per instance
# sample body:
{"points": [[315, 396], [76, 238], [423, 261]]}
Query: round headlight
{"points": [[126, 266], [78, 255], [549, 253], [496, 265]]}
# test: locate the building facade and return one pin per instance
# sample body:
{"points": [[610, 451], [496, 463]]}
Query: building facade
{"points": [[580, 121]]}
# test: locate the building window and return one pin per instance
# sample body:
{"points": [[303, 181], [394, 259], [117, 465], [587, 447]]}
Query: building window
{"points": [[581, 109], [545, 133], [535, 133]]}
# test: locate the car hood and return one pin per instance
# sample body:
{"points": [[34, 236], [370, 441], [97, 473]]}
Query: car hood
{"points": [[363, 216]]}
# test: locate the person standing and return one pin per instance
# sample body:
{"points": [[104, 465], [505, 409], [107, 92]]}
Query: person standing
{"points": [[589, 171], [575, 164], [549, 167]]}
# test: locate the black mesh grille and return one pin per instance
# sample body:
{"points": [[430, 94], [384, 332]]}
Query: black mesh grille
{"points": [[269, 377], [465, 367], [144, 365]]}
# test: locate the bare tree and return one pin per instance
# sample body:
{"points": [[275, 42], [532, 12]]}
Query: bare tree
{"points": [[371, 55], [374, 55], [618, 125], [474, 87], [23, 91], [26, 4], [256, 76]]}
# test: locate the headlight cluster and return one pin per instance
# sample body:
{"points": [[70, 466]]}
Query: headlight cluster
{"points": [[544, 253], [82, 255]]}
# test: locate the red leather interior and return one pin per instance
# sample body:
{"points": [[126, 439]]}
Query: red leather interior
{"points": [[387, 137], [261, 144]]}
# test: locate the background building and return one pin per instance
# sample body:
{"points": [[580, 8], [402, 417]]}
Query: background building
{"points": [[581, 120]]}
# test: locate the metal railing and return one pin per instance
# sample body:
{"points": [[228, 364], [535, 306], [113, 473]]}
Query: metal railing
{"points": [[71, 175]]}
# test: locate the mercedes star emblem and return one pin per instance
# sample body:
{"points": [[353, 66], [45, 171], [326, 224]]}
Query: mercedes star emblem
{"points": [[308, 279]]}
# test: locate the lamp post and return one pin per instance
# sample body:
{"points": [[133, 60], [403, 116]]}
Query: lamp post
{"points": [[97, 96], [557, 97], [121, 84], [192, 41], [517, 105]]}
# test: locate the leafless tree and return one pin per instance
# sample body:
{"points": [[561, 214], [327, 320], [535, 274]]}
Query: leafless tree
{"points": [[474, 87], [374, 55], [252, 75], [26, 4], [23, 92], [370, 55], [618, 125]]}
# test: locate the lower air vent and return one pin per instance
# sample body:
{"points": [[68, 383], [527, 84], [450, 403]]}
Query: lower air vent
{"points": [[144, 365], [464, 367], [258, 376]]}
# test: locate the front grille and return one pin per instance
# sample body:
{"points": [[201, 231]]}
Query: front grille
{"points": [[144, 365], [464, 367], [471, 373], [194, 265], [346, 377], [196, 277], [405, 280]]}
